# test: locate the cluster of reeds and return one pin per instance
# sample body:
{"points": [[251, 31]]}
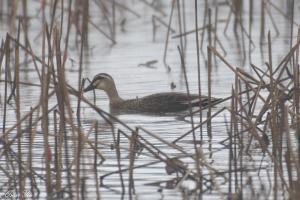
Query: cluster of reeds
{"points": [[49, 151]]}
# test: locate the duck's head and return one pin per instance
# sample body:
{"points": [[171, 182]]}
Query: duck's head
{"points": [[101, 81]]}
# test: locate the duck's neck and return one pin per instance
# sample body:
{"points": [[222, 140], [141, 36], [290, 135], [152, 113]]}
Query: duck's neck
{"points": [[113, 95]]}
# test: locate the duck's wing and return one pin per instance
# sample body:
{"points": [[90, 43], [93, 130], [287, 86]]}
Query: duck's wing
{"points": [[169, 102], [178, 99]]}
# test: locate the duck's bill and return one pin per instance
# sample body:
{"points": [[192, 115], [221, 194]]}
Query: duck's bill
{"points": [[88, 88]]}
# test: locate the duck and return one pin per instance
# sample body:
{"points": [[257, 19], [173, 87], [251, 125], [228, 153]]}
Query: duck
{"points": [[165, 102]]}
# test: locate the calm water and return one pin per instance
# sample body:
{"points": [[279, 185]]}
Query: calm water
{"points": [[122, 61]]}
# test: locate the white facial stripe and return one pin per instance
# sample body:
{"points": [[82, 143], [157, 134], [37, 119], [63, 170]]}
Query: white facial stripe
{"points": [[103, 75]]}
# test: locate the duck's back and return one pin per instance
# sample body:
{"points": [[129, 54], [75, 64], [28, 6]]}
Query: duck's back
{"points": [[161, 103]]}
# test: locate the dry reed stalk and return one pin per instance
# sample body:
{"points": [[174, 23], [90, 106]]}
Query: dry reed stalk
{"points": [[114, 20], [241, 149], [32, 132], [250, 29], [2, 53], [18, 117], [292, 19], [96, 161], [230, 146], [62, 97], [209, 30], [182, 41], [270, 58], [236, 141], [68, 29], [215, 25], [243, 38], [167, 37], [78, 153], [62, 14], [52, 16], [183, 68], [204, 24], [13, 16], [184, 24], [209, 67], [57, 154], [133, 144], [297, 100], [7, 54], [262, 22], [273, 120], [288, 157], [85, 27], [25, 20], [276, 130], [118, 154], [96, 146], [84, 42], [45, 119], [191, 32], [198, 80]]}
